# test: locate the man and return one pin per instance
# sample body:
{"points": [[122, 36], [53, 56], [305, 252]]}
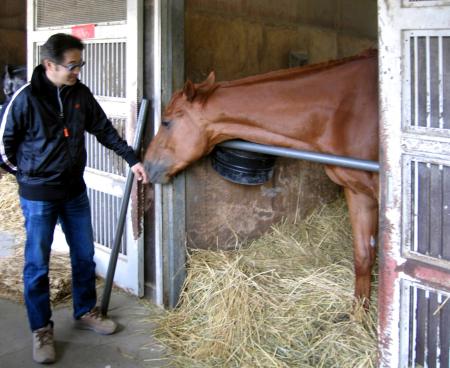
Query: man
{"points": [[42, 143]]}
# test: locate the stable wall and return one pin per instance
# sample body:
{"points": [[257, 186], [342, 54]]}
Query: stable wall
{"points": [[12, 35], [238, 38]]}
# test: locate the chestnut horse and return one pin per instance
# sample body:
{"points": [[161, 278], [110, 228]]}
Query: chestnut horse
{"points": [[329, 107]]}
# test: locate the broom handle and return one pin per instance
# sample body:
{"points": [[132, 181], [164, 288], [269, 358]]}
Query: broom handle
{"points": [[123, 210]]}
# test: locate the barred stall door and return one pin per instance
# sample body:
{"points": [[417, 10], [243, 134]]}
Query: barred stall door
{"points": [[414, 300], [113, 72]]}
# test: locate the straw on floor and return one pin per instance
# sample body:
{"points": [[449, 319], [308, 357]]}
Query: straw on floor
{"points": [[285, 300], [11, 266], [11, 219]]}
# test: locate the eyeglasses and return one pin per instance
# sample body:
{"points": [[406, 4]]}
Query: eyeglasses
{"points": [[72, 66]]}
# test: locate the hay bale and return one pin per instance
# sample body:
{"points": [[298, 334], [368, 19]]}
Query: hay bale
{"points": [[11, 218], [286, 300], [11, 277], [11, 267]]}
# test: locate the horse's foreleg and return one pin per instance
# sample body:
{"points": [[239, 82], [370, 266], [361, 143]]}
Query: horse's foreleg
{"points": [[363, 211]]}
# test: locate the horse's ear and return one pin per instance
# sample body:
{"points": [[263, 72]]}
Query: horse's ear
{"points": [[189, 90], [7, 70], [210, 80]]}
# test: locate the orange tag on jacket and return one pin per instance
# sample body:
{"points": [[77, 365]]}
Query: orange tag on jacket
{"points": [[66, 132]]}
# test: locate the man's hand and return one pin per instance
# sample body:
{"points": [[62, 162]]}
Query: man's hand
{"points": [[139, 172]]}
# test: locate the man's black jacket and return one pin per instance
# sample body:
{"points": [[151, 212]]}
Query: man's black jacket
{"points": [[42, 137]]}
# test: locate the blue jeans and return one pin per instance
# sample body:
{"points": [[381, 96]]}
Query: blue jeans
{"points": [[40, 221]]}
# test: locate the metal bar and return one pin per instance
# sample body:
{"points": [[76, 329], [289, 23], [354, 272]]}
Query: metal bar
{"points": [[438, 334], [416, 206], [91, 66], [323, 158], [441, 83], [103, 71], [404, 341], [430, 218], [124, 68], [425, 330], [116, 70], [123, 211], [416, 81], [158, 196], [101, 218], [110, 67], [414, 326], [96, 71], [443, 240], [110, 219], [428, 80]]}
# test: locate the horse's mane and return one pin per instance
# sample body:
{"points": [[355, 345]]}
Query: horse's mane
{"points": [[205, 90], [279, 74], [15, 70], [14, 77]]}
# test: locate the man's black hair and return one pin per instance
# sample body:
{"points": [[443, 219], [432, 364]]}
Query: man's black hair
{"points": [[55, 47]]}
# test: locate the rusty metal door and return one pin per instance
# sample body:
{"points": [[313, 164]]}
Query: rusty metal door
{"points": [[414, 304], [112, 34]]}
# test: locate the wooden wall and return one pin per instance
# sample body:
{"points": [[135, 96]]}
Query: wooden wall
{"points": [[238, 38], [12, 35]]}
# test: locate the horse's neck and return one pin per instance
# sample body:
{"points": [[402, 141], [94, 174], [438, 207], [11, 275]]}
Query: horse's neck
{"points": [[290, 111], [260, 113]]}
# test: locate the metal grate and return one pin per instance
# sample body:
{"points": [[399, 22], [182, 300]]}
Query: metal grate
{"points": [[429, 71], [427, 326], [105, 70], [101, 158], [419, 3], [430, 188], [52, 13], [104, 211]]}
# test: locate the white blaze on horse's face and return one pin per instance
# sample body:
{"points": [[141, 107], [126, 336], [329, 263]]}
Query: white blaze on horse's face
{"points": [[180, 139]]}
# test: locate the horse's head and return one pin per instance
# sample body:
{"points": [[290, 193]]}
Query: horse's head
{"points": [[183, 135], [14, 78]]}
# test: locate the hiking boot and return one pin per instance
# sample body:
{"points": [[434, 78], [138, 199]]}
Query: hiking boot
{"points": [[95, 321], [43, 345]]}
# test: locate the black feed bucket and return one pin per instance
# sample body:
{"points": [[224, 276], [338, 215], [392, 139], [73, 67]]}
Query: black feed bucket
{"points": [[242, 167]]}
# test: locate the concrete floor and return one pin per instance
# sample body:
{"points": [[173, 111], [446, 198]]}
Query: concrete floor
{"points": [[132, 346]]}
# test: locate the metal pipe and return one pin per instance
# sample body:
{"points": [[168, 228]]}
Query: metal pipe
{"points": [[322, 158], [123, 211], [158, 191]]}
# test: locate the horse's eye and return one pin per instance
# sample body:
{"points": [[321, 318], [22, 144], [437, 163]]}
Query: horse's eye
{"points": [[165, 123]]}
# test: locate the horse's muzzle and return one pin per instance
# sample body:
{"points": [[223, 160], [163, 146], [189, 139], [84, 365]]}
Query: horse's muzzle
{"points": [[157, 173]]}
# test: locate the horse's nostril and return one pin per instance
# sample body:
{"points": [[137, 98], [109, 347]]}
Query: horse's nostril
{"points": [[151, 170], [156, 172]]}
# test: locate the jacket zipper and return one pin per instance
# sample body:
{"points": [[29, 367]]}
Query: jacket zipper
{"points": [[66, 131], [61, 113]]}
